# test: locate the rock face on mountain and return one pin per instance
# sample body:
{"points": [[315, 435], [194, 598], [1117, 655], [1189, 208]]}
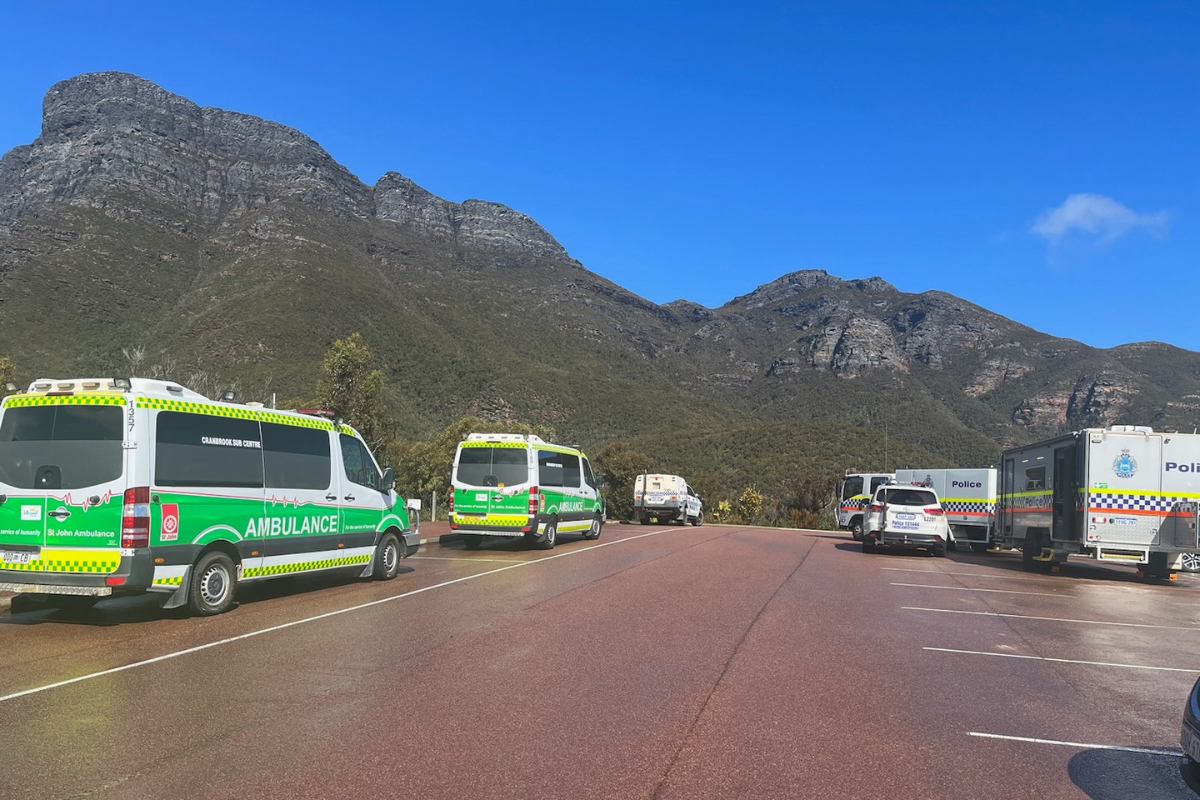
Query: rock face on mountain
{"points": [[142, 232]]}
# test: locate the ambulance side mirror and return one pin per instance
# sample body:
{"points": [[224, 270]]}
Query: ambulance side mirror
{"points": [[388, 481]]}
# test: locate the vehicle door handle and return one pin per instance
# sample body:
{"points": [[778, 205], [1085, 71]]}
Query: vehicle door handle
{"points": [[348, 497], [331, 497], [60, 513]]}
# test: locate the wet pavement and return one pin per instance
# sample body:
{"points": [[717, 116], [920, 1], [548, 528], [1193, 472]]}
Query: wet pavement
{"points": [[659, 661]]}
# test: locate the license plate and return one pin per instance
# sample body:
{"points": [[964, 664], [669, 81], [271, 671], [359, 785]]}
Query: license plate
{"points": [[1190, 743], [18, 557], [906, 516]]}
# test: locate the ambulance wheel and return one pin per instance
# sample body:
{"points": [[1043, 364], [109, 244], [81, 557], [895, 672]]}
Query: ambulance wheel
{"points": [[979, 547], [472, 540], [213, 582], [594, 531], [387, 558], [856, 530], [549, 535]]}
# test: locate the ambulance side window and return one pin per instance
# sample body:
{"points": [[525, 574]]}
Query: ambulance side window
{"points": [[550, 468], [571, 471], [295, 457], [360, 468], [206, 450]]}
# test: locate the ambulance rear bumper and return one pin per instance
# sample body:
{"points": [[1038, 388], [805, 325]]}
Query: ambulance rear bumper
{"points": [[134, 574]]}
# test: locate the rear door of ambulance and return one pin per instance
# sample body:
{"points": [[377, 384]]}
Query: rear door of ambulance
{"points": [[62, 475]]}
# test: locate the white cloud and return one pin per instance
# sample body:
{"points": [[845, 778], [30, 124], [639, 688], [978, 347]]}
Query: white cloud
{"points": [[1096, 216]]}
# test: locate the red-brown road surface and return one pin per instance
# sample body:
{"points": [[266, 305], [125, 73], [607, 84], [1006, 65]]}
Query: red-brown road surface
{"points": [[661, 662]]}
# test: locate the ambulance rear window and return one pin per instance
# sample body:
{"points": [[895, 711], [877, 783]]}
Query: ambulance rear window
{"points": [[492, 466], [60, 447]]}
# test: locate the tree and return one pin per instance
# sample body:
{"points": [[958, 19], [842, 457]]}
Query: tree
{"points": [[352, 388], [620, 465], [749, 505], [8, 371]]}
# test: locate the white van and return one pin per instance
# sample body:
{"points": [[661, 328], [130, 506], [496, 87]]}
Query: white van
{"points": [[120, 486], [666, 498]]}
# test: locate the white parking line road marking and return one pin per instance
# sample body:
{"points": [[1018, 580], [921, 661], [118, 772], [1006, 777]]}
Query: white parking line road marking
{"points": [[1151, 751], [1052, 619], [1002, 576], [465, 560], [969, 589], [198, 648], [1057, 660]]}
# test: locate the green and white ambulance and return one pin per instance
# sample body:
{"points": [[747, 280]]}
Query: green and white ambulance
{"points": [[508, 484], [119, 486]]}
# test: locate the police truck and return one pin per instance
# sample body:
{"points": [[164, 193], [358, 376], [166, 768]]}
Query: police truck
{"points": [[1123, 494]]}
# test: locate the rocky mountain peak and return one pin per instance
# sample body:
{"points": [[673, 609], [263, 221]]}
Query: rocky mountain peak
{"points": [[473, 223]]}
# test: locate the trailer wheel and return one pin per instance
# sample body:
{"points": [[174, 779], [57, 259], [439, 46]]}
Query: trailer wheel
{"points": [[868, 544], [979, 547]]}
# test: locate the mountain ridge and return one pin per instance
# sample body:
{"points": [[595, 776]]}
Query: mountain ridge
{"points": [[218, 243]]}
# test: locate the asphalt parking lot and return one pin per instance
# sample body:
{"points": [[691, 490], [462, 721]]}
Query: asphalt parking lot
{"points": [[660, 662]]}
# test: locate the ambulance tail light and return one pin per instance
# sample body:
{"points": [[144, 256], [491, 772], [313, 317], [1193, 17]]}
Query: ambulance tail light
{"points": [[135, 518], [533, 500], [936, 511], [451, 500]]}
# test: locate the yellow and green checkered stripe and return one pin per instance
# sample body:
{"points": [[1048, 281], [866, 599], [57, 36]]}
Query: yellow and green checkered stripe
{"points": [[510, 520], [258, 415], [175, 581], [24, 401], [515, 445], [326, 563], [95, 561]]}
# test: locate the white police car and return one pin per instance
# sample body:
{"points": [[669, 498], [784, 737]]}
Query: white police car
{"points": [[906, 515]]}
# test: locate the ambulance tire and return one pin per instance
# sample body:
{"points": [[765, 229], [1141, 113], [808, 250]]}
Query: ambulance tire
{"points": [[212, 584], [387, 558], [594, 531], [856, 530], [549, 535], [472, 540]]}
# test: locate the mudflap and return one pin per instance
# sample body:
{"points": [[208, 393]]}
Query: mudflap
{"points": [[179, 597]]}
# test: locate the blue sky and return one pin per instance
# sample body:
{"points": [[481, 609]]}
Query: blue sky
{"points": [[1038, 159]]}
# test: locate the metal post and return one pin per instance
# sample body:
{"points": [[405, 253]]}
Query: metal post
{"points": [[433, 511]]}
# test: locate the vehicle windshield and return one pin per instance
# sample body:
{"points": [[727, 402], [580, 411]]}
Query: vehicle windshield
{"points": [[909, 497], [492, 466], [60, 447]]}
